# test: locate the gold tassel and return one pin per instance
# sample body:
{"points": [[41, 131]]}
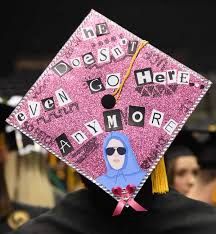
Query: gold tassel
{"points": [[159, 178]]}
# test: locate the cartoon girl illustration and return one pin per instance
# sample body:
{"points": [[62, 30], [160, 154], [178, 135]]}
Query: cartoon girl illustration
{"points": [[121, 163]]}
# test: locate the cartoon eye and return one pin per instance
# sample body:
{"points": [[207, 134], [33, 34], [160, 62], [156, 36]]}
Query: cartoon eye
{"points": [[110, 150], [121, 150]]}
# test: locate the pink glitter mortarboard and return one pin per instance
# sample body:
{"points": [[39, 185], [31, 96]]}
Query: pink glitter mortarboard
{"points": [[71, 109]]}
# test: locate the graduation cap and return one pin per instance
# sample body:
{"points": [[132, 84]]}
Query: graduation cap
{"points": [[207, 154], [207, 157], [109, 105], [202, 142], [185, 144]]}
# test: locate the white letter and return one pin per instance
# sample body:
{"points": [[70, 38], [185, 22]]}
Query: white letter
{"points": [[143, 76], [113, 81], [61, 68], [156, 118], [112, 121], [76, 62], [88, 33], [103, 55], [21, 117], [94, 127], [63, 145], [102, 29], [134, 116], [88, 59], [117, 52], [183, 77], [62, 97], [97, 84], [170, 126], [171, 76], [34, 108], [159, 77], [79, 137]]}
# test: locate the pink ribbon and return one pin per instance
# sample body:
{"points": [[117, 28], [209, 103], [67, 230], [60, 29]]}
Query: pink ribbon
{"points": [[126, 198]]}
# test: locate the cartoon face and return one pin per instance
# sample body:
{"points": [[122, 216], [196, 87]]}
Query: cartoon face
{"points": [[115, 152], [122, 167]]}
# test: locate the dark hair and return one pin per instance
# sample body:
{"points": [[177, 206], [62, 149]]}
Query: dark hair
{"points": [[207, 159], [172, 154], [207, 162], [170, 167]]}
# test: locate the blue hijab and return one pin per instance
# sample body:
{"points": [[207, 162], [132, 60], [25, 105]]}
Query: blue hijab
{"points": [[130, 173]]}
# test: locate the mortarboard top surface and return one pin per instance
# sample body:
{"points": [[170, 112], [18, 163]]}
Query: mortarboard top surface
{"points": [[121, 145], [207, 154], [203, 143], [207, 157], [185, 144]]}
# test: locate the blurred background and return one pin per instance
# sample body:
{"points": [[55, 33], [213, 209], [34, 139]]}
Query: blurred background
{"points": [[32, 32]]}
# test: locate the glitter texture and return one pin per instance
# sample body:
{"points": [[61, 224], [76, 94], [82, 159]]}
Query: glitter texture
{"points": [[176, 102]]}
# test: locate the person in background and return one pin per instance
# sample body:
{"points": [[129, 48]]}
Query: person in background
{"points": [[205, 186], [90, 210], [12, 214], [182, 164], [182, 168], [26, 165]]}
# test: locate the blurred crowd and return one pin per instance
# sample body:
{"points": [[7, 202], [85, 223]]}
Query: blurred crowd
{"points": [[33, 181]]}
